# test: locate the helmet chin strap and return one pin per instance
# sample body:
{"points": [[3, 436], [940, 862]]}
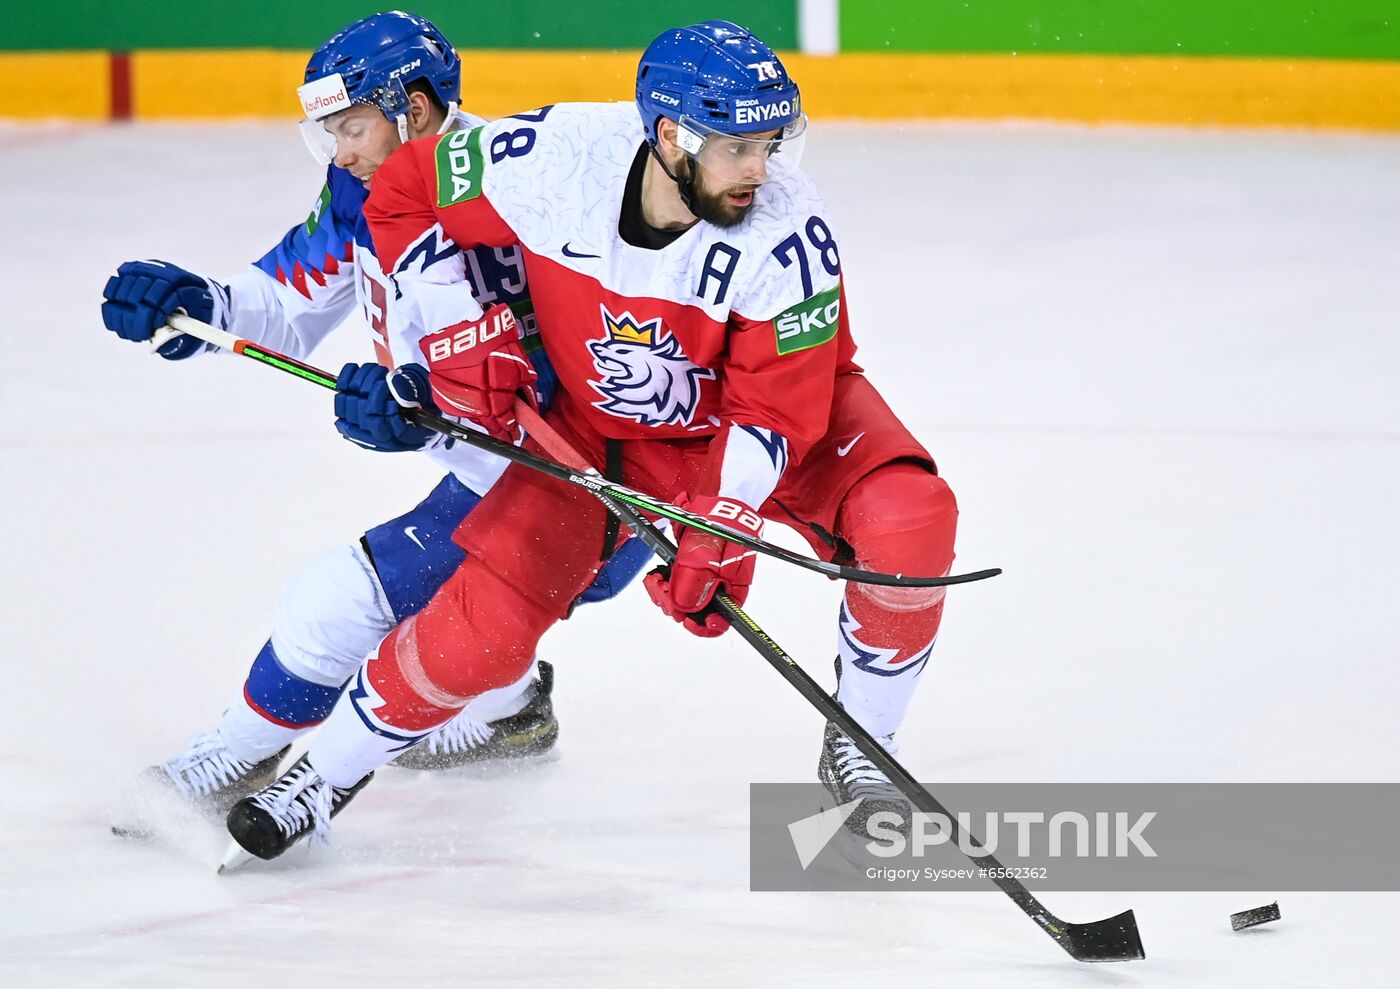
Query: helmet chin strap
{"points": [[685, 186], [402, 121]]}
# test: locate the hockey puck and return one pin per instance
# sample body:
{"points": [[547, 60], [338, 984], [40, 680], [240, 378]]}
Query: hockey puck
{"points": [[1253, 918]]}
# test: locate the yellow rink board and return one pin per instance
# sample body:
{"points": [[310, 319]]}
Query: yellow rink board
{"points": [[40, 85], [1087, 88]]}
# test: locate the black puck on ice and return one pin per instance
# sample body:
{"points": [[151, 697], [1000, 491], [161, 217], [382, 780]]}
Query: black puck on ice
{"points": [[1253, 918]]}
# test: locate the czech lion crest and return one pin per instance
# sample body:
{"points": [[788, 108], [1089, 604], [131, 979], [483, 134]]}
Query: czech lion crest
{"points": [[643, 373]]}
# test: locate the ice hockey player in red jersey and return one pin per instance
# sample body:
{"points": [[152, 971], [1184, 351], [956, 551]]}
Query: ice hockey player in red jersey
{"points": [[687, 284]]}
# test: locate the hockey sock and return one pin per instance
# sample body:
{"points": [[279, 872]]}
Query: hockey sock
{"points": [[505, 701], [390, 705], [274, 707], [900, 518], [883, 651]]}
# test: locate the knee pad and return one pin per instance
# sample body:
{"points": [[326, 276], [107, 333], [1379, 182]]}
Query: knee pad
{"points": [[330, 617], [900, 518], [478, 633]]}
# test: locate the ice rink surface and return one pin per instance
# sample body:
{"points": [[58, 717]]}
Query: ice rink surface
{"points": [[1158, 367]]}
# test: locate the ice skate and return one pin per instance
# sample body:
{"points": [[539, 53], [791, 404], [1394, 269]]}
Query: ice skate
{"points": [[848, 775], [298, 803], [206, 777], [464, 740]]}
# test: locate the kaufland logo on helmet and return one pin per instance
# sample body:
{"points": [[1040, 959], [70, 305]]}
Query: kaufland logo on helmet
{"points": [[324, 97], [764, 112], [336, 100]]}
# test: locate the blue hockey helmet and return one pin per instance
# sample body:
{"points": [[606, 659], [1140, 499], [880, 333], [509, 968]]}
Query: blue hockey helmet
{"points": [[371, 62], [716, 78]]}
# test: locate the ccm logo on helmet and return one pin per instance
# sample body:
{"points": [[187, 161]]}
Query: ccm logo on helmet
{"points": [[466, 336], [764, 113], [406, 68], [663, 98]]}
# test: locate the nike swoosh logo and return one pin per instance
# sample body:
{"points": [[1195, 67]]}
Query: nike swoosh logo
{"points": [[410, 533], [575, 254], [841, 451]]}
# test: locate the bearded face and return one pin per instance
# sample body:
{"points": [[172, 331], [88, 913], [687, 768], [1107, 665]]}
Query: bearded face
{"points": [[723, 204]]}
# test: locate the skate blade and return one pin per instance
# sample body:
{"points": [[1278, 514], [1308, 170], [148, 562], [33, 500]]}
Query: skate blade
{"points": [[489, 768], [235, 858]]}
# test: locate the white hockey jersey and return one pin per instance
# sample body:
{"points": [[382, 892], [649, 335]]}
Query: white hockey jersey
{"points": [[322, 270]]}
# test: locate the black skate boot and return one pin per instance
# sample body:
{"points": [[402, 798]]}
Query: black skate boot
{"points": [[848, 775], [465, 740], [206, 776], [296, 804]]}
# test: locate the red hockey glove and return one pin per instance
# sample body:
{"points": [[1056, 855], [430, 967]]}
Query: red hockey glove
{"points": [[706, 564], [477, 367]]}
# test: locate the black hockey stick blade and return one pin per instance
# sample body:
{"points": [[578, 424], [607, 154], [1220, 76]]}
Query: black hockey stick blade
{"points": [[1114, 939]]}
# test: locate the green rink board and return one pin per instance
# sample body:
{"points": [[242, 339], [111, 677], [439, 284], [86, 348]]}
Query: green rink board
{"points": [[127, 25], [1350, 29]]}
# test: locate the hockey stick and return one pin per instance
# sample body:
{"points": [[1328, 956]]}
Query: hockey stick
{"points": [[1109, 940], [1113, 939], [591, 480]]}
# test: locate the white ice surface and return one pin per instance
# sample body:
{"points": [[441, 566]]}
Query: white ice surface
{"points": [[1158, 367]]}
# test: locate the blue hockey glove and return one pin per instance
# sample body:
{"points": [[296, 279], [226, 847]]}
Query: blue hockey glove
{"points": [[369, 406], [142, 295]]}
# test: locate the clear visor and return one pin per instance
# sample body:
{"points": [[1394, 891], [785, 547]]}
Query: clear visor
{"points": [[744, 159], [324, 145], [319, 141]]}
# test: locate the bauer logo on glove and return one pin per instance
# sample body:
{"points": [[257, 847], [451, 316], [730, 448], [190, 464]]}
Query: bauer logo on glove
{"points": [[705, 564], [737, 513], [478, 367], [499, 320]]}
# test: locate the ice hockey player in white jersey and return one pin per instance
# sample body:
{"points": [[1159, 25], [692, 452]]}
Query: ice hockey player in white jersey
{"points": [[688, 288], [370, 87]]}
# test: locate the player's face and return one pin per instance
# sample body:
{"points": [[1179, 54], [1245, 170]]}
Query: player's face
{"points": [[740, 160], [364, 137], [725, 204], [729, 168], [726, 170], [727, 174]]}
